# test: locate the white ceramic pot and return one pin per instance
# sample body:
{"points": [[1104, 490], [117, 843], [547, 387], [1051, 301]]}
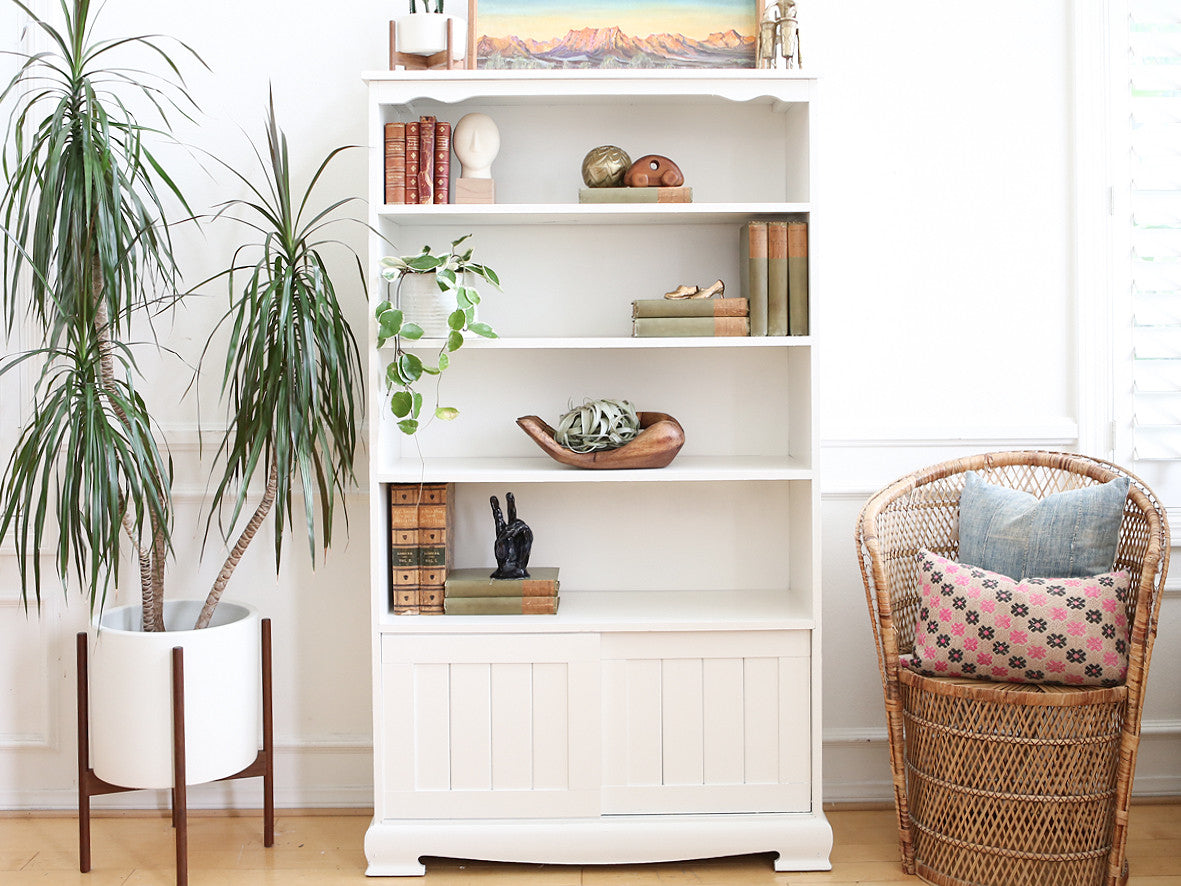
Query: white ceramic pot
{"points": [[425, 33], [131, 694], [423, 302]]}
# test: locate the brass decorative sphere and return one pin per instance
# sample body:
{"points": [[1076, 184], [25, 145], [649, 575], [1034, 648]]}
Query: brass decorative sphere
{"points": [[604, 166]]}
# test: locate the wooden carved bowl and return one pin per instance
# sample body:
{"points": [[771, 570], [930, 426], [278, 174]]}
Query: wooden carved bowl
{"points": [[660, 439]]}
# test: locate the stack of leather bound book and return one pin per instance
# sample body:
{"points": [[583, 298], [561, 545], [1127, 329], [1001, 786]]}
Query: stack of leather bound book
{"points": [[662, 317], [475, 592]]}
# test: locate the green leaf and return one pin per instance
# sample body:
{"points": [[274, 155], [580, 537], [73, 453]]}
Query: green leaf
{"points": [[454, 341], [412, 331], [401, 403], [430, 370], [408, 426], [463, 298], [410, 368], [483, 329], [389, 324], [425, 262], [444, 361], [417, 410], [446, 413], [381, 309], [455, 243], [457, 320], [393, 375]]}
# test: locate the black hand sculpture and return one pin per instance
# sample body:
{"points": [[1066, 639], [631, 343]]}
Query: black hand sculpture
{"points": [[513, 541]]}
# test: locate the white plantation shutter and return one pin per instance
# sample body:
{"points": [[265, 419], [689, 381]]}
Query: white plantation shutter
{"points": [[1155, 170]]}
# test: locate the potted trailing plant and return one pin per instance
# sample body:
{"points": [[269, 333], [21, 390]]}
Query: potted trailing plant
{"points": [[436, 297], [424, 31], [88, 250]]}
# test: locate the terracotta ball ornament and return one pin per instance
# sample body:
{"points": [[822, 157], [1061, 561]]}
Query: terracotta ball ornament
{"points": [[654, 171]]}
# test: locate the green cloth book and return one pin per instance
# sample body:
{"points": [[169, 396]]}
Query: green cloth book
{"points": [[797, 278], [690, 307], [672, 327], [777, 267], [500, 605], [635, 195], [752, 263], [477, 582]]}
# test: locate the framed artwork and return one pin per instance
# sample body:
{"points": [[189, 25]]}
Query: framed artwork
{"points": [[616, 33]]}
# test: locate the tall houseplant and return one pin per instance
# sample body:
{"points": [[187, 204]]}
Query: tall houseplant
{"points": [[86, 250]]}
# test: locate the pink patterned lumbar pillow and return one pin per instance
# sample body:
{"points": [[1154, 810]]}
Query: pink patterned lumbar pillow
{"points": [[975, 623]]}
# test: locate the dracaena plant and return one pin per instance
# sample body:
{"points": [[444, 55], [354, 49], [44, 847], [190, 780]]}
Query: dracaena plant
{"points": [[453, 272], [86, 250], [292, 368], [426, 4]]}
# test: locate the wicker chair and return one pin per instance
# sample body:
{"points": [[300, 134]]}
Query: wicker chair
{"points": [[997, 783]]}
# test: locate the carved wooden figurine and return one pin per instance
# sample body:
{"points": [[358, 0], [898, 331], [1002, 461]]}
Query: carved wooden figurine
{"points": [[768, 35], [789, 33], [654, 171], [514, 540]]}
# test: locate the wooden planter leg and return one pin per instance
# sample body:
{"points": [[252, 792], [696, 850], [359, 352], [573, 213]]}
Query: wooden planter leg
{"points": [[83, 755], [179, 810], [268, 740]]}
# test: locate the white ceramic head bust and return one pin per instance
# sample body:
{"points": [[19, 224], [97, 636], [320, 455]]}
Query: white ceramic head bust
{"points": [[476, 142]]}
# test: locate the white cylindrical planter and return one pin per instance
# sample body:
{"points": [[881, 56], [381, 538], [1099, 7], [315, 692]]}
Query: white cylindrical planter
{"points": [[425, 33], [422, 301], [131, 694]]}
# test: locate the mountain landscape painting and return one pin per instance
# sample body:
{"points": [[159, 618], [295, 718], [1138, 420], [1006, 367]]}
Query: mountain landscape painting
{"points": [[616, 34]]}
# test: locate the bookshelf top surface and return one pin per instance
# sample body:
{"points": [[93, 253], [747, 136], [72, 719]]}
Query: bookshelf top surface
{"points": [[735, 84], [688, 610]]}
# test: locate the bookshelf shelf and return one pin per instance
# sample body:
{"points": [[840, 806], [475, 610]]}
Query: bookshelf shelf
{"points": [[685, 469], [632, 610], [677, 688], [548, 343], [586, 214]]}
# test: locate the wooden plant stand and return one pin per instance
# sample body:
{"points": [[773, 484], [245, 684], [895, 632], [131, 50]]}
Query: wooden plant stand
{"points": [[90, 785]]}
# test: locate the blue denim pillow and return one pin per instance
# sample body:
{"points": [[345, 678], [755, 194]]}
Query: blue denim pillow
{"points": [[1065, 535]]}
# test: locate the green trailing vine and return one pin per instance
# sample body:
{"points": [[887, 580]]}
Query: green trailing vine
{"points": [[452, 272], [598, 425]]}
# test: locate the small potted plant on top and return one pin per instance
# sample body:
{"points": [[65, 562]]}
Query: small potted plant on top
{"points": [[436, 297], [424, 31]]}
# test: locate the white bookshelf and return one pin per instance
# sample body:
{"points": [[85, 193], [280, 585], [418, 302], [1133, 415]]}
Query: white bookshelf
{"points": [[671, 709]]}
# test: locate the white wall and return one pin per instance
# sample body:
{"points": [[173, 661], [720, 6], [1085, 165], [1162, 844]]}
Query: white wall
{"points": [[944, 251]]}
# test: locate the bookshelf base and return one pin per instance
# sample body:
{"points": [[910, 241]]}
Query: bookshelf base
{"points": [[803, 841]]}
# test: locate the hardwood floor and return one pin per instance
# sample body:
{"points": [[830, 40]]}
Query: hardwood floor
{"points": [[325, 850]]}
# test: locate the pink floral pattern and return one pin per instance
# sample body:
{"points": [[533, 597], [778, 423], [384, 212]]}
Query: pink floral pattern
{"points": [[975, 623]]}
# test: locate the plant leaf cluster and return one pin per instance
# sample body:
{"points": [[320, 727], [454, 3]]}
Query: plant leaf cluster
{"points": [[426, 4], [598, 425], [452, 272], [86, 248]]}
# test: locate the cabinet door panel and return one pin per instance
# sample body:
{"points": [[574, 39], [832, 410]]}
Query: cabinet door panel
{"points": [[730, 725], [491, 727]]}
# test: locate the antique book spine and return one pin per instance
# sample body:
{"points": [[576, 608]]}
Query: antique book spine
{"points": [[404, 547], [395, 163], [797, 278], [542, 582], [433, 531], [753, 260], [691, 307], [412, 154], [635, 195], [442, 162], [777, 278], [501, 605], [649, 327], [426, 159]]}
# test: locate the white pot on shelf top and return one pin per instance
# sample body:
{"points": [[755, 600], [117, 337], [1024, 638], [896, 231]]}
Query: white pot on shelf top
{"points": [[425, 33], [130, 692]]}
